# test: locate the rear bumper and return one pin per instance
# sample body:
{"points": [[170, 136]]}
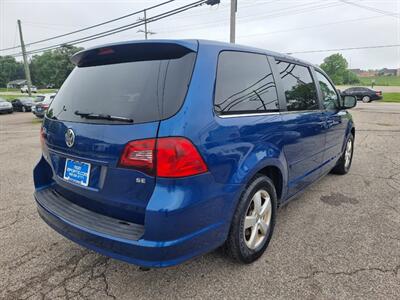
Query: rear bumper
{"points": [[38, 114], [6, 110], [142, 247]]}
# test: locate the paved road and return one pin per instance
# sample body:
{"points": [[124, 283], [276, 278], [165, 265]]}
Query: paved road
{"points": [[340, 240]]}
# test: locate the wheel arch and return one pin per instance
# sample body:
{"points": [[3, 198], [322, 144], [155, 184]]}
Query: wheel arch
{"points": [[275, 174], [275, 170]]}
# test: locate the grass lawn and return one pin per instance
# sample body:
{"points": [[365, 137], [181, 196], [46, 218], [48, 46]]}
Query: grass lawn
{"points": [[391, 97], [40, 91], [381, 80], [8, 97]]}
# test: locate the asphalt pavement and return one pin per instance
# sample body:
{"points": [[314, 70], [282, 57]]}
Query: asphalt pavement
{"points": [[339, 240]]}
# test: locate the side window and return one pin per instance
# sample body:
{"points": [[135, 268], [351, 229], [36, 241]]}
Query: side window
{"points": [[244, 84], [298, 86], [330, 98]]}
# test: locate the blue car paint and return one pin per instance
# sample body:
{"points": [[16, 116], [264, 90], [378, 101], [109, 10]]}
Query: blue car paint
{"points": [[186, 217]]}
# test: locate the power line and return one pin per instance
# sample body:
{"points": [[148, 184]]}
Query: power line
{"points": [[384, 12], [344, 49], [310, 27], [92, 26], [119, 29], [293, 10]]}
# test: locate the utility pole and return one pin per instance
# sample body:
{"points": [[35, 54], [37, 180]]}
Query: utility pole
{"points": [[26, 65], [145, 24], [233, 21], [146, 32]]}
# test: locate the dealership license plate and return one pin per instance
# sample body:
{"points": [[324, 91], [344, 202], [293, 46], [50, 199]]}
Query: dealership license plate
{"points": [[77, 172]]}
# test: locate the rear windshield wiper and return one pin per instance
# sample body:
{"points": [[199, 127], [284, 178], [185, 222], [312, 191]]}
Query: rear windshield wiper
{"points": [[102, 117]]}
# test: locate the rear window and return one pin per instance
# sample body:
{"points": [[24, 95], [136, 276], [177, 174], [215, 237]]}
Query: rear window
{"points": [[27, 101], [39, 98], [144, 91]]}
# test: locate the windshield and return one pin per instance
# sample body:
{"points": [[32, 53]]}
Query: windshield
{"points": [[144, 91]]}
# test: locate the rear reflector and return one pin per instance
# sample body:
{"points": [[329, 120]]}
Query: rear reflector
{"points": [[170, 157]]}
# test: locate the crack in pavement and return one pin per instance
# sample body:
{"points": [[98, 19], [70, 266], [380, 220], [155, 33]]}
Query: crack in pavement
{"points": [[315, 273], [89, 279]]}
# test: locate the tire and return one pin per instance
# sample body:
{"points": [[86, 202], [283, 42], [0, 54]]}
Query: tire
{"points": [[366, 99], [344, 163], [247, 245], [23, 109]]}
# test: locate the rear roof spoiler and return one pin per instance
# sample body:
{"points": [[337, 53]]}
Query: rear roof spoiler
{"points": [[134, 51]]}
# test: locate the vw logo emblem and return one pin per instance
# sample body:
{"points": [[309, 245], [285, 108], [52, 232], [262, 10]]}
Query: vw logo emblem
{"points": [[70, 137]]}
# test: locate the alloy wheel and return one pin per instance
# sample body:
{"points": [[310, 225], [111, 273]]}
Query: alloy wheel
{"points": [[348, 153], [257, 219], [365, 99]]}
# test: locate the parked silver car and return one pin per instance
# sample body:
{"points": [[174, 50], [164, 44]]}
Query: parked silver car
{"points": [[42, 103], [5, 106]]}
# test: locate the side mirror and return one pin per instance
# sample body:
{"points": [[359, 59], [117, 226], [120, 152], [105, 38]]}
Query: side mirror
{"points": [[348, 102]]}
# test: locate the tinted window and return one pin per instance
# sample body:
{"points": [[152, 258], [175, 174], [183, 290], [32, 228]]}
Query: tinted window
{"points": [[329, 96], [298, 86], [144, 91], [244, 84]]}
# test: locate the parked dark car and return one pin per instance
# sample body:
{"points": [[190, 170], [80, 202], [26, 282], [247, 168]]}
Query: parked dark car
{"points": [[23, 104], [155, 152], [5, 106], [364, 94]]}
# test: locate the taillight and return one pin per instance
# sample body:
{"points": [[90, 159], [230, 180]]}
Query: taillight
{"points": [[42, 136], [139, 155], [379, 93], [166, 157], [178, 157], [45, 106]]}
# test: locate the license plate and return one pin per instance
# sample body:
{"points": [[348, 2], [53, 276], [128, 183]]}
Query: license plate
{"points": [[77, 172]]}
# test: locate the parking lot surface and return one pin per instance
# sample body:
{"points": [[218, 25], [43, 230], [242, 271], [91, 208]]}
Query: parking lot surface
{"points": [[340, 239]]}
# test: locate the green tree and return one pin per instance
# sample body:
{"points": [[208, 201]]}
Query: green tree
{"points": [[350, 78], [336, 66], [52, 66], [10, 69]]}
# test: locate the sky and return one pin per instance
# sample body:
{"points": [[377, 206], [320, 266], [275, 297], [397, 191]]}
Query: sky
{"points": [[287, 26]]}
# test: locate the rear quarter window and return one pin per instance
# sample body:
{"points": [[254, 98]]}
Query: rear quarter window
{"points": [[244, 84]]}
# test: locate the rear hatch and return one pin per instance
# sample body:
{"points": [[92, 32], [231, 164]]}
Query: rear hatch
{"points": [[116, 94]]}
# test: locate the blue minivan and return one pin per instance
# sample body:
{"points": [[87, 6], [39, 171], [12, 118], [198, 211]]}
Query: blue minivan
{"points": [[158, 151]]}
